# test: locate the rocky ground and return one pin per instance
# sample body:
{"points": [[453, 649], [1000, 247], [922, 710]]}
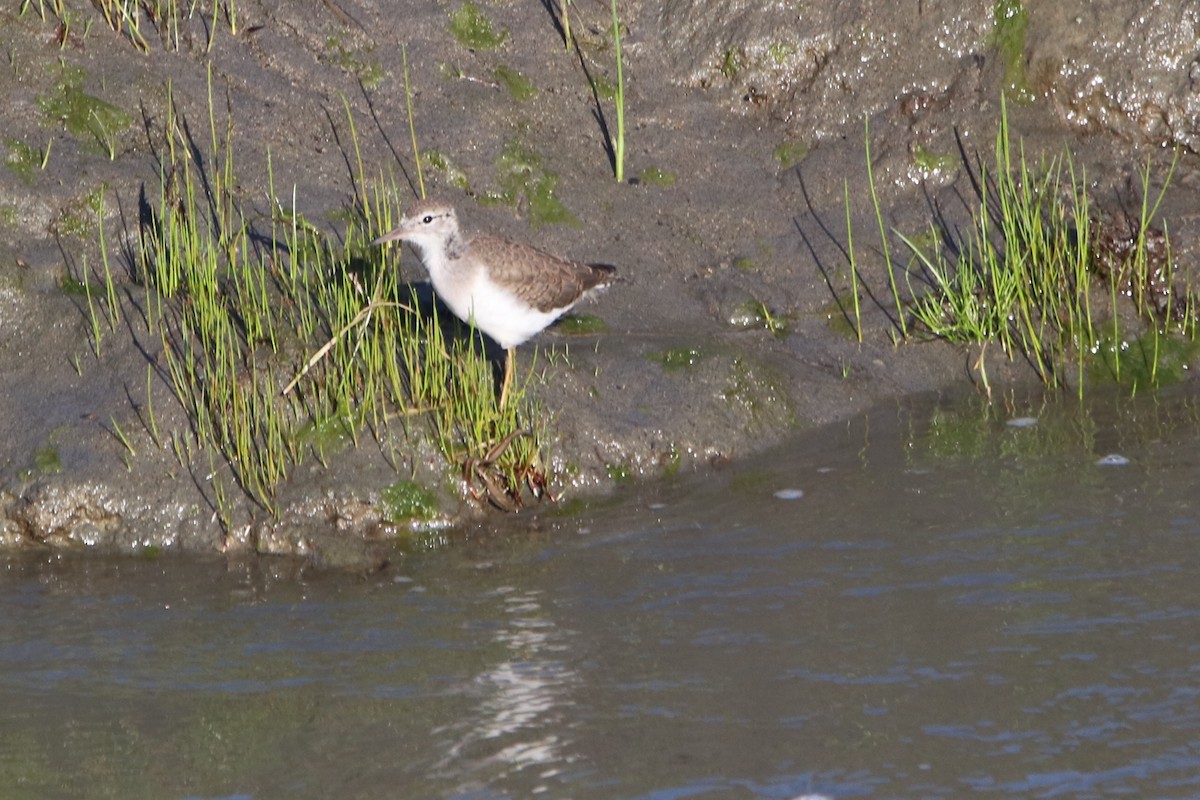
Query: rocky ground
{"points": [[744, 128]]}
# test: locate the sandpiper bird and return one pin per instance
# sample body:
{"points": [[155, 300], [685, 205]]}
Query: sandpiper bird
{"points": [[510, 291]]}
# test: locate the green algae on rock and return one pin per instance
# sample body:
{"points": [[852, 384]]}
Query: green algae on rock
{"points": [[580, 325], [521, 174], [83, 114], [656, 177], [678, 358], [407, 500], [474, 30], [519, 86]]}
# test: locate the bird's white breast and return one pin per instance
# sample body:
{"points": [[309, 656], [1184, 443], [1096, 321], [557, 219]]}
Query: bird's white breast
{"points": [[472, 296], [501, 315]]}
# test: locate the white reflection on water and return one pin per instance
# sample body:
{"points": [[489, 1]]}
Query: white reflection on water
{"points": [[523, 696]]}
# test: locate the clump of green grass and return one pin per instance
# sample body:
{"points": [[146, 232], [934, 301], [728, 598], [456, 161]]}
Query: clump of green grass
{"points": [[124, 16], [138, 20], [1021, 276], [1035, 276], [101, 299], [264, 345], [68, 25]]}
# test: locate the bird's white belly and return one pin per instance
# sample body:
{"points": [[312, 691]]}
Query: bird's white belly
{"points": [[495, 310]]}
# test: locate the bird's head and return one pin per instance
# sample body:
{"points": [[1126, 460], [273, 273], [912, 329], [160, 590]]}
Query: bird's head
{"points": [[427, 224]]}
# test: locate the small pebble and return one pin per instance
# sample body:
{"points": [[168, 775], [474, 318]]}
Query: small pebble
{"points": [[1022, 422], [1113, 460], [790, 494]]}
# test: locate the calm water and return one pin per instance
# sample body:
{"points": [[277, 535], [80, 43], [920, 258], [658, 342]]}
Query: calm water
{"points": [[953, 606]]}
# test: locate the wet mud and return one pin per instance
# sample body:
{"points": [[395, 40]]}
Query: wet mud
{"points": [[744, 128]]}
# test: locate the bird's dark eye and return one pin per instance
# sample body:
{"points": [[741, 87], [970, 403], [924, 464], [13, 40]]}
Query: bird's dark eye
{"points": [[428, 218]]}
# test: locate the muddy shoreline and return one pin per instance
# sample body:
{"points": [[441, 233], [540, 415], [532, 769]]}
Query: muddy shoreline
{"points": [[744, 130]]}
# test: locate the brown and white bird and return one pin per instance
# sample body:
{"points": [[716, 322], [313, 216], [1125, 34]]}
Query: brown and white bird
{"points": [[508, 290]]}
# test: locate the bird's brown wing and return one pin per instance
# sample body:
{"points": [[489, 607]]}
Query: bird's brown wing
{"points": [[536, 277]]}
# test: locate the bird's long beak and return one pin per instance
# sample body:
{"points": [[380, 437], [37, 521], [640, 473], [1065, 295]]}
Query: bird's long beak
{"points": [[392, 236]]}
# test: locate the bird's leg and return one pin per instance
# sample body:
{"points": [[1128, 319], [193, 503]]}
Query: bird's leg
{"points": [[509, 368]]}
